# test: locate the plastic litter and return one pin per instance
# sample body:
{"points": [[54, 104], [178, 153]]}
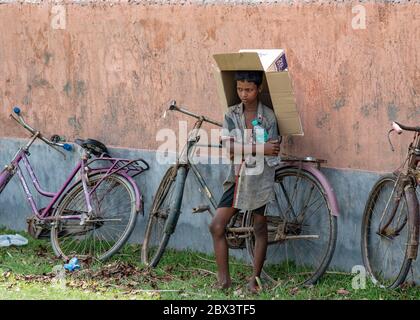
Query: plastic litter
{"points": [[7, 240], [72, 265]]}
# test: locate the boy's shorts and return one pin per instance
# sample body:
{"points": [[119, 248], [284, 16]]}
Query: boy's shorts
{"points": [[227, 201]]}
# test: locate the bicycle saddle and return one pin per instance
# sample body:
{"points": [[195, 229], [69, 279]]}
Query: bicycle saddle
{"points": [[95, 147]]}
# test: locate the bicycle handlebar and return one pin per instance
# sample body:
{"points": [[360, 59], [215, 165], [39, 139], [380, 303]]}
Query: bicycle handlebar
{"points": [[21, 121], [398, 127], [174, 107]]}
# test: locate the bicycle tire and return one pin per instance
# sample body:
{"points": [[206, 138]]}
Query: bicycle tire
{"points": [[157, 238], [396, 259], [300, 261], [101, 237]]}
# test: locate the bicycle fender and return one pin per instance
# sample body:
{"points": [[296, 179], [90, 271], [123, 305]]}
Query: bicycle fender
{"points": [[332, 199]]}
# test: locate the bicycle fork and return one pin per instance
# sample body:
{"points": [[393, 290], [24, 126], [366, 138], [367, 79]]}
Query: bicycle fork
{"points": [[175, 210], [413, 222]]}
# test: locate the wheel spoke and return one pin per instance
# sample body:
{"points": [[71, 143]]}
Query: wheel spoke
{"points": [[158, 215], [101, 235], [385, 253], [301, 209]]}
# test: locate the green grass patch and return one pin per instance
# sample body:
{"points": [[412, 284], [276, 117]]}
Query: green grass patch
{"points": [[30, 272]]}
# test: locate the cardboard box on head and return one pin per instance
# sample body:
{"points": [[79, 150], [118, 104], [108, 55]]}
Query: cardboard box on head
{"points": [[277, 92]]}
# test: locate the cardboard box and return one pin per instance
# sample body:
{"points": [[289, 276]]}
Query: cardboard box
{"points": [[277, 90]]}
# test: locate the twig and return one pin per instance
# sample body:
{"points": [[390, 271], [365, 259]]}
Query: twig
{"points": [[204, 270], [212, 261], [258, 282], [277, 285], [233, 263]]}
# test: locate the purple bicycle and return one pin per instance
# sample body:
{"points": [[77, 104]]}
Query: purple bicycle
{"points": [[92, 217]]}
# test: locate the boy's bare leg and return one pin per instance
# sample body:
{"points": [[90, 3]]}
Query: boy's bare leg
{"points": [[260, 250], [217, 229]]}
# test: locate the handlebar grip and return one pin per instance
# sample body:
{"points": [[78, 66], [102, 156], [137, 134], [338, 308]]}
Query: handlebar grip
{"points": [[396, 127], [67, 147], [172, 106], [16, 110]]}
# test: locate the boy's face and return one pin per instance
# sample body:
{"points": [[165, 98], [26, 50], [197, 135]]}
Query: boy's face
{"points": [[247, 92]]}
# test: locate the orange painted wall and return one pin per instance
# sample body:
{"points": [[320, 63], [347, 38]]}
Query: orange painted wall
{"points": [[110, 73]]}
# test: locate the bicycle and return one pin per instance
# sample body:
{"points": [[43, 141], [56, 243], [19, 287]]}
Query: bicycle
{"points": [[390, 224], [302, 226], [92, 217]]}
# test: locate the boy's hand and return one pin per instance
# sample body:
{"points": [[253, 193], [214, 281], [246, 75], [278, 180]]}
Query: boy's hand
{"points": [[272, 148]]}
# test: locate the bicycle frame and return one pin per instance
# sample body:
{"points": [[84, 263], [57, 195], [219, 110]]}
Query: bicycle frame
{"points": [[185, 160], [404, 179], [122, 166], [191, 144]]}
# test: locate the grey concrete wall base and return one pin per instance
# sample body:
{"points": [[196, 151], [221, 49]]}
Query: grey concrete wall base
{"points": [[351, 187]]}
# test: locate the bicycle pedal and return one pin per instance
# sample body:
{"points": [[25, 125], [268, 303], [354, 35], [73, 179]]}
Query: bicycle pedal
{"points": [[200, 209]]}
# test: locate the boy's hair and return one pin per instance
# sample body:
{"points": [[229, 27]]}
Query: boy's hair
{"points": [[250, 76]]}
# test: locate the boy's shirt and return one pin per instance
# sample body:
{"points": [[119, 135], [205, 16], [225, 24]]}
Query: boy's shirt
{"points": [[252, 190]]}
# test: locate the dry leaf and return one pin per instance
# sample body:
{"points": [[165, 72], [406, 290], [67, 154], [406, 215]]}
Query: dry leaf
{"points": [[343, 291], [294, 291]]}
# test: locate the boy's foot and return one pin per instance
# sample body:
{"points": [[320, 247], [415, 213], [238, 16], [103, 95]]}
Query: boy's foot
{"points": [[222, 285], [253, 286]]}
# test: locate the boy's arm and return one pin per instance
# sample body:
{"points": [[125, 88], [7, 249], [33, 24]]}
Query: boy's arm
{"points": [[228, 140], [272, 146]]}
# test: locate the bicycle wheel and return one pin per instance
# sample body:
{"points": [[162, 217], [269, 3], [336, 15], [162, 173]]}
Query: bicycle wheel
{"points": [[155, 238], [386, 232], [302, 232], [107, 228]]}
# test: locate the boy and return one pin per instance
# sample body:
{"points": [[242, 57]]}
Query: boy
{"points": [[241, 190]]}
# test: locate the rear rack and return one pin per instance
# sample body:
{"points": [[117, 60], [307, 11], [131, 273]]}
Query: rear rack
{"points": [[293, 159], [288, 158], [130, 167]]}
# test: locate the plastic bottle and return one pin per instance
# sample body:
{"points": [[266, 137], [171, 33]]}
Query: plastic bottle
{"points": [[261, 136], [260, 133], [72, 265], [7, 240]]}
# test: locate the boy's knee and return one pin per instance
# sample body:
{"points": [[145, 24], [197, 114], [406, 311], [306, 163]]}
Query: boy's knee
{"points": [[216, 228]]}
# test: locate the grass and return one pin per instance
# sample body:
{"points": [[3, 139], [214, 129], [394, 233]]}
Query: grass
{"points": [[27, 273]]}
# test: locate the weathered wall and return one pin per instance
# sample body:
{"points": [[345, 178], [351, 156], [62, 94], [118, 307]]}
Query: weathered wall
{"points": [[110, 73]]}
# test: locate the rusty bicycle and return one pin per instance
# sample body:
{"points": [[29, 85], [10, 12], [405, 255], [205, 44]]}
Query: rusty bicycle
{"points": [[302, 222], [390, 225]]}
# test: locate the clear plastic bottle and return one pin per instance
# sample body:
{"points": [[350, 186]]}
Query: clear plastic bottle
{"points": [[7, 240], [261, 136]]}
